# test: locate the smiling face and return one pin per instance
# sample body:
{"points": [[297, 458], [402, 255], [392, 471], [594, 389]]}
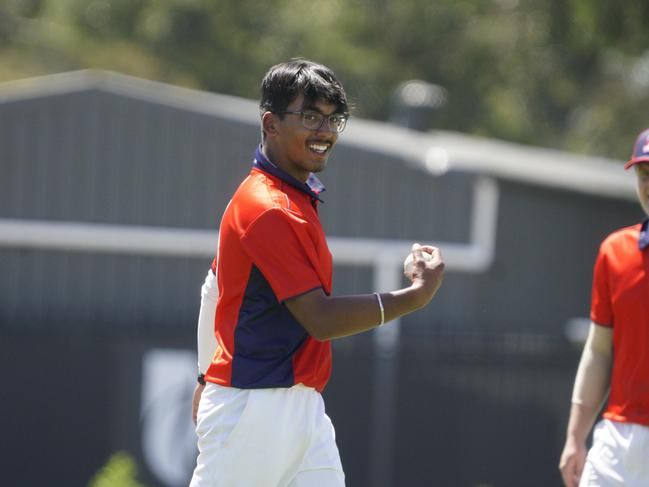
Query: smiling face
{"points": [[294, 148], [642, 186]]}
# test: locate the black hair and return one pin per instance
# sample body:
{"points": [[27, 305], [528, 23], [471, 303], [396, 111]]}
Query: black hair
{"points": [[286, 81]]}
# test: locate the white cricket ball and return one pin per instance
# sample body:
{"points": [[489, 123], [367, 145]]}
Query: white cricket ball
{"points": [[407, 264]]}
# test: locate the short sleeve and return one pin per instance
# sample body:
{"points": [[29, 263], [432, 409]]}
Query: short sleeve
{"points": [[280, 245], [601, 311]]}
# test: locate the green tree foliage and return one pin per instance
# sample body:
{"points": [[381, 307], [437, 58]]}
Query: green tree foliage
{"points": [[120, 470], [570, 74]]}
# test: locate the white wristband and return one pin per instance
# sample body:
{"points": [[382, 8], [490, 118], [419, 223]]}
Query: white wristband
{"points": [[378, 298]]}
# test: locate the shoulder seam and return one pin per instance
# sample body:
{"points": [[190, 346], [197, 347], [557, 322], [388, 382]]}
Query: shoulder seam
{"points": [[263, 213]]}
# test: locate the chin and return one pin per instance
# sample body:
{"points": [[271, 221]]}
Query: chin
{"points": [[318, 166]]}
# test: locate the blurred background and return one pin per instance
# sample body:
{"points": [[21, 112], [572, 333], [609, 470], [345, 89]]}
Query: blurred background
{"points": [[496, 129]]}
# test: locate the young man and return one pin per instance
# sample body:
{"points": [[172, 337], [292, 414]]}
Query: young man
{"points": [[260, 417], [619, 337]]}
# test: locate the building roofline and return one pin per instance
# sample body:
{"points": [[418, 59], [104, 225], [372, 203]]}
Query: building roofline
{"points": [[534, 165], [439, 152], [436, 152], [130, 86]]}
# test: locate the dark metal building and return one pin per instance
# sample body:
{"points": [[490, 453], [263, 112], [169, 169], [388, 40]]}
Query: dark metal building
{"points": [[111, 189]]}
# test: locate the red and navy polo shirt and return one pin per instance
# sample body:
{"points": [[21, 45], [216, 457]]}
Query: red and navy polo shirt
{"points": [[271, 248], [620, 299]]}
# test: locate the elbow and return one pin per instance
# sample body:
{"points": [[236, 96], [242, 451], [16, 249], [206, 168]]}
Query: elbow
{"points": [[320, 337], [317, 331], [311, 311], [317, 326]]}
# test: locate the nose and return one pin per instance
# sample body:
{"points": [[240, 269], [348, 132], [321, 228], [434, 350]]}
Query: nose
{"points": [[325, 129], [325, 126]]}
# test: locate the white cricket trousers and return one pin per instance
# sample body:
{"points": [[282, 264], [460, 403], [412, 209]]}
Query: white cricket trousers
{"points": [[619, 456], [265, 438]]}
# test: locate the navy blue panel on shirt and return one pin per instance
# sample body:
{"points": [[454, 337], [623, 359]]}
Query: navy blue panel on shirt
{"points": [[643, 241], [265, 339]]}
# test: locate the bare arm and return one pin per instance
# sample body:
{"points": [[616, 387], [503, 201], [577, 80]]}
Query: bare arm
{"points": [[591, 387], [327, 317]]}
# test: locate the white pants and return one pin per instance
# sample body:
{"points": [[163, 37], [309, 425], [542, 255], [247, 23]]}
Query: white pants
{"points": [[265, 438], [619, 456]]}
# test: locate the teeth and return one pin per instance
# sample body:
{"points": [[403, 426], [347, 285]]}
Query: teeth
{"points": [[321, 148]]}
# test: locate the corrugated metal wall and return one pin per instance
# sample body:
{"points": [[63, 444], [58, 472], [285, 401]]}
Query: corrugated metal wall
{"points": [[101, 158]]}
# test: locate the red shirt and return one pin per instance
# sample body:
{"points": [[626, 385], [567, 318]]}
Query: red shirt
{"points": [[271, 247], [620, 299]]}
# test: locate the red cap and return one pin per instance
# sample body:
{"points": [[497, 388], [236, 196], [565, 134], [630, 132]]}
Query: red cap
{"points": [[640, 150]]}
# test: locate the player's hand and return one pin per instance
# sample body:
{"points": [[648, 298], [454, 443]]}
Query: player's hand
{"points": [[571, 465], [196, 400], [427, 271]]}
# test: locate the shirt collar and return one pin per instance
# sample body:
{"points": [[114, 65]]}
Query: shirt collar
{"points": [[313, 186], [643, 241]]}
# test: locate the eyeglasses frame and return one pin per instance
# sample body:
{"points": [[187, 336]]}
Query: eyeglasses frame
{"points": [[324, 117]]}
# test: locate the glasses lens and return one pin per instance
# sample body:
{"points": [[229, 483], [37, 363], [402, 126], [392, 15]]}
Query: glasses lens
{"points": [[312, 120], [315, 120], [337, 122]]}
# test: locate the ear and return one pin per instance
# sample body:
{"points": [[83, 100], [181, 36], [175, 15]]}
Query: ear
{"points": [[269, 123]]}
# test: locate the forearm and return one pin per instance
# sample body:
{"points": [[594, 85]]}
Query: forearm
{"points": [[573, 456], [326, 318], [581, 421], [591, 382]]}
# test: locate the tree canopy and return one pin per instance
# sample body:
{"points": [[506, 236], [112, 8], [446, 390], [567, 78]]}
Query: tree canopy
{"points": [[568, 74]]}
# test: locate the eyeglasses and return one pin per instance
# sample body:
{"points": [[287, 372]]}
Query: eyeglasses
{"points": [[312, 120]]}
